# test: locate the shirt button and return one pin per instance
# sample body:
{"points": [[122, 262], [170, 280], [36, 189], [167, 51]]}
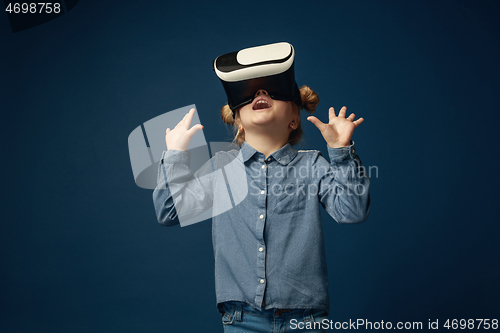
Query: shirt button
{"points": [[261, 249], [262, 192], [262, 281], [263, 167], [261, 216]]}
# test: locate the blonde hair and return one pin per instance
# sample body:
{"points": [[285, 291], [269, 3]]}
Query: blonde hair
{"points": [[309, 99]]}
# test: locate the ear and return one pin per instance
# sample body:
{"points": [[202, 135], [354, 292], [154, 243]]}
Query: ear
{"points": [[294, 123]]}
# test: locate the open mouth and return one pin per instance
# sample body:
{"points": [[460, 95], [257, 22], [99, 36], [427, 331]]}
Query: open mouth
{"points": [[261, 104]]}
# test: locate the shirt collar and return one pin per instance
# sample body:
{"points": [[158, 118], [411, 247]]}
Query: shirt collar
{"points": [[283, 155]]}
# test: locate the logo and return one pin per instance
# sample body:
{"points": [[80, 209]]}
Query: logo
{"points": [[226, 176]]}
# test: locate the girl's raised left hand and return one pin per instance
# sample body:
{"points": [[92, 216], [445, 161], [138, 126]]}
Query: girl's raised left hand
{"points": [[338, 131]]}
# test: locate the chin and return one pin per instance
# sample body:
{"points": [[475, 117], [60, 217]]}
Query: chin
{"points": [[262, 117]]}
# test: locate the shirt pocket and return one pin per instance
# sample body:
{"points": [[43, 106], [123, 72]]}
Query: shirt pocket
{"points": [[290, 196]]}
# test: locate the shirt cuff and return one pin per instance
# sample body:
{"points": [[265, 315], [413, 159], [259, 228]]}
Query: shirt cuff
{"points": [[174, 156], [342, 153]]}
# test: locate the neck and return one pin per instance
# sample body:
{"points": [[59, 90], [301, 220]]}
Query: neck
{"points": [[266, 143]]}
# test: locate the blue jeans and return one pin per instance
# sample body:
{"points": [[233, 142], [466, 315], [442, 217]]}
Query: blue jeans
{"points": [[239, 317]]}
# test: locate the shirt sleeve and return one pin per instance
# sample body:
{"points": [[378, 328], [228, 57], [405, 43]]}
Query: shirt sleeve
{"points": [[343, 188], [178, 195]]}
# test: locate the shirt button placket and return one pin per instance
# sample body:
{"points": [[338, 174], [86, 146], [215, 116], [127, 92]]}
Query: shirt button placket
{"points": [[262, 220]]}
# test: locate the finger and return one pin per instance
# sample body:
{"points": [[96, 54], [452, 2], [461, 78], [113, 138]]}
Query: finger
{"points": [[342, 112], [318, 123], [331, 114], [185, 116], [194, 129], [351, 117], [181, 123], [357, 122], [168, 130], [188, 118]]}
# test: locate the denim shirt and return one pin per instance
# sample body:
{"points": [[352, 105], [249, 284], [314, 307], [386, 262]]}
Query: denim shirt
{"points": [[269, 249]]}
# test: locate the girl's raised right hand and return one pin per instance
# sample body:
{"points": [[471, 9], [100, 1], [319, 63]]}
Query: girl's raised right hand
{"points": [[179, 137]]}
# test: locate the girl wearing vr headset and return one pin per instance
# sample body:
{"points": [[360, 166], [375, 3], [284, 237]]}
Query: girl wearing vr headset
{"points": [[270, 265]]}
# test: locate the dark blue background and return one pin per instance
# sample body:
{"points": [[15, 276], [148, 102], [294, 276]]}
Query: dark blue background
{"points": [[80, 247]]}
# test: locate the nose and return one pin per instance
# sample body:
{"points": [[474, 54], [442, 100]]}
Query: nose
{"points": [[261, 91]]}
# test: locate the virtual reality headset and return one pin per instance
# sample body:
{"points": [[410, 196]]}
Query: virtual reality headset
{"points": [[268, 67]]}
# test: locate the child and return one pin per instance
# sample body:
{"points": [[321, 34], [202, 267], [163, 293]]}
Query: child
{"points": [[270, 266]]}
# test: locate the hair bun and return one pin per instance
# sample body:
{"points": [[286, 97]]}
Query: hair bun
{"points": [[310, 99], [227, 115]]}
